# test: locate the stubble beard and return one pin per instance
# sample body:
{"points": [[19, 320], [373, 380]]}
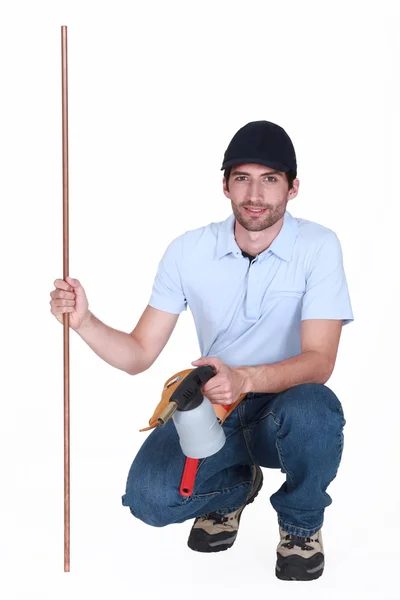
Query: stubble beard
{"points": [[272, 216]]}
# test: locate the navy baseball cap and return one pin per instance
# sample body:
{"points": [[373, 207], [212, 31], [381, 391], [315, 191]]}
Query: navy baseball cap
{"points": [[263, 143]]}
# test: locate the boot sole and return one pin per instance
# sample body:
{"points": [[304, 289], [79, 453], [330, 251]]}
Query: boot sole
{"points": [[200, 541], [297, 568]]}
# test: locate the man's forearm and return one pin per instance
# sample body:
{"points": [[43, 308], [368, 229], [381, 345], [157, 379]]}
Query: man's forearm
{"points": [[308, 367], [118, 348]]}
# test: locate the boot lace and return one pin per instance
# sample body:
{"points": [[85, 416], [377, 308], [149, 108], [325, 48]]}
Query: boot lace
{"points": [[216, 518], [298, 540]]}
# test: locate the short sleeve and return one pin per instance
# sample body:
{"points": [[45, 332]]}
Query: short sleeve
{"points": [[327, 295], [167, 293]]}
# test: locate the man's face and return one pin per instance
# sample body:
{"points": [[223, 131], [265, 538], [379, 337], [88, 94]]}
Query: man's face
{"points": [[258, 187]]}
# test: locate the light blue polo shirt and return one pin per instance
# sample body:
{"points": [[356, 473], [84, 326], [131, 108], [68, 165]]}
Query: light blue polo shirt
{"points": [[250, 314]]}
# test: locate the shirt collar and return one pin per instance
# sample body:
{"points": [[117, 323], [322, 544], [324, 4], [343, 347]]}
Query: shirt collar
{"points": [[282, 246]]}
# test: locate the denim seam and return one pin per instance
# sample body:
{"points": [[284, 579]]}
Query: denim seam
{"points": [[212, 494], [341, 446], [246, 436], [283, 525], [277, 421], [283, 462], [224, 490]]}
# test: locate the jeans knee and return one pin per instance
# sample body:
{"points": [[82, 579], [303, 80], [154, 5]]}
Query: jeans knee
{"points": [[150, 516], [154, 505], [156, 514], [314, 404]]}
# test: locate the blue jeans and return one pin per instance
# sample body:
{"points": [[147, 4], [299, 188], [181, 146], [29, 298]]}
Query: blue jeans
{"points": [[299, 431]]}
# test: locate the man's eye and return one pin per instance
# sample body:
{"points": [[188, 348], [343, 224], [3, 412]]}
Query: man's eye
{"points": [[242, 177]]}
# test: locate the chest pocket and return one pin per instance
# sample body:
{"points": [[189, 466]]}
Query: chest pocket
{"points": [[282, 293], [287, 284], [285, 293], [282, 301], [285, 287]]}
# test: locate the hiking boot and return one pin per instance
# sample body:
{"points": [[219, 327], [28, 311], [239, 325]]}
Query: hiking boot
{"points": [[214, 532], [299, 558]]}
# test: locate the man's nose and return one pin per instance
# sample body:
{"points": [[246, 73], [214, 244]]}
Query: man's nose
{"points": [[254, 191]]}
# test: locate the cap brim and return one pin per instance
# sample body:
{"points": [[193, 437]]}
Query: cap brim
{"points": [[258, 161]]}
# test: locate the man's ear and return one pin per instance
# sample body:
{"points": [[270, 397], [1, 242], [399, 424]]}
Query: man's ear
{"points": [[294, 190], [225, 189]]}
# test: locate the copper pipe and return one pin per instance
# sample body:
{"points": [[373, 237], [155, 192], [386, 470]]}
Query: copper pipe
{"points": [[64, 69]]}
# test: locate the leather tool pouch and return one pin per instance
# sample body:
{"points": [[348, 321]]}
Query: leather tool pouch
{"points": [[170, 386]]}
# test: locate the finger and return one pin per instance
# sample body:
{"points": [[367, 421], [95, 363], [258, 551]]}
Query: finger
{"points": [[62, 309], [62, 303], [74, 282], [62, 285], [224, 402], [219, 397], [62, 294], [216, 389]]}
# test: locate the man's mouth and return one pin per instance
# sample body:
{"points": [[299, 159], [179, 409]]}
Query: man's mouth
{"points": [[255, 210]]}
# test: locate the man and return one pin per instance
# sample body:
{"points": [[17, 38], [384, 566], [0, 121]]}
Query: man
{"points": [[269, 297]]}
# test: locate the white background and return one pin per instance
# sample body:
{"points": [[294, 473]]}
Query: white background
{"points": [[156, 91]]}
